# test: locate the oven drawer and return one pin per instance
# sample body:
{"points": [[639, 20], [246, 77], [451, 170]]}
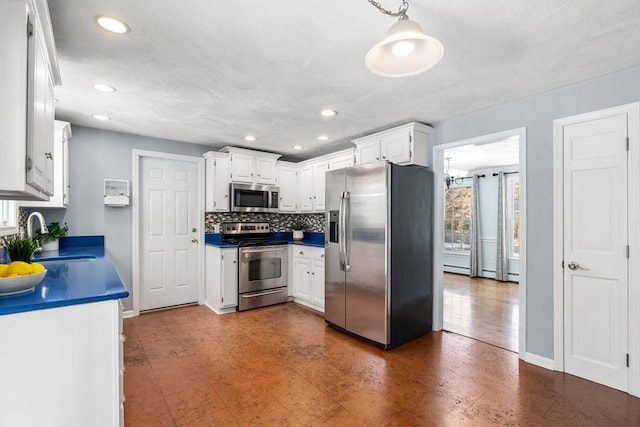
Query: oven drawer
{"points": [[251, 300]]}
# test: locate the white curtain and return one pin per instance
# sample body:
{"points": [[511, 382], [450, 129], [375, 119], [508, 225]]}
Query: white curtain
{"points": [[475, 265], [502, 271]]}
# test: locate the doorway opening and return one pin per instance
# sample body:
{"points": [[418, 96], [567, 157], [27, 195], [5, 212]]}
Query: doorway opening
{"points": [[479, 249]]}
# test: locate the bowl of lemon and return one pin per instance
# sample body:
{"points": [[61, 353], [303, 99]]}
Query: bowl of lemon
{"points": [[20, 277]]}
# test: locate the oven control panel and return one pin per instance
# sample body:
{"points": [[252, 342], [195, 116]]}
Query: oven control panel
{"points": [[245, 227]]}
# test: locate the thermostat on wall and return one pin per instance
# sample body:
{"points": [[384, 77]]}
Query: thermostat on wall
{"points": [[116, 192]]}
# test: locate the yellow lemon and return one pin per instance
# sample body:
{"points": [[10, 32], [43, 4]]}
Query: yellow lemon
{"points": [[3, 270], [37, 268], [20, 268]]}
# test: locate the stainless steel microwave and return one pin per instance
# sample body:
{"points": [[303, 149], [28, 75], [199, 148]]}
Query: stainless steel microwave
{"points": [[254, 198]]}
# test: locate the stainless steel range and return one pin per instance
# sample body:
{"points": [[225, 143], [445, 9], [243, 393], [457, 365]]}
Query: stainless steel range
{"points": [[262, 267]]}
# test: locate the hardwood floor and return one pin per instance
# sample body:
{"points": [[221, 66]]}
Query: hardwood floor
{"points": [[282, 365], [482, 309]]}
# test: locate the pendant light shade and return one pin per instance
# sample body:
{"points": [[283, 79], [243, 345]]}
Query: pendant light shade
{"points": [[406, 51]]}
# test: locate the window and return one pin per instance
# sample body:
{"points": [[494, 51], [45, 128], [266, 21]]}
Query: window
{"points": [[8, 217], [513, 216], [457, 219]]}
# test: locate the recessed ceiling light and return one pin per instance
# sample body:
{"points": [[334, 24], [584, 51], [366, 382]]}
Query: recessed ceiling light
{"points": [[297, 147], [323, 138], [112, 24], [250, 138], [101, 117], [104, 88], [328, 113]]}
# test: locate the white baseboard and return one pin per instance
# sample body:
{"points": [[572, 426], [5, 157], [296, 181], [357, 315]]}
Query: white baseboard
{"points": [[308, 304], [127, 314], [223, 311], [543, 362]]}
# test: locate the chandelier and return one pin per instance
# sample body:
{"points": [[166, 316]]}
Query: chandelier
{"points": [[453, 175], [406, 50]]}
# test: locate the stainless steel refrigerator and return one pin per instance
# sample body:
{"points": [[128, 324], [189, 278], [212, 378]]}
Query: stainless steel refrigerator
{"points": [[379, 252]]}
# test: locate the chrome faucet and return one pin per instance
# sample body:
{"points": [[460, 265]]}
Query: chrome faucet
{"points": [[43, 225]]}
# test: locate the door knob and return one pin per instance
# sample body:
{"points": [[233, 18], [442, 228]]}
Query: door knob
{"points": [[575, 266], [194, 240], [193, 230]]}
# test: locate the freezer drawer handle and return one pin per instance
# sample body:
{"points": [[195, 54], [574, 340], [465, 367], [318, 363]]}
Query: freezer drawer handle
{"points": [[261, 294]]}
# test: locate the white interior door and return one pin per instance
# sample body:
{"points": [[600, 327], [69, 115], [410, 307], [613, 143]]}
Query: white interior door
{"points": [[595, 250], [168, 232]]}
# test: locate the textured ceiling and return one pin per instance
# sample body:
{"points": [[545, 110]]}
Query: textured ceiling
{"points": [[211, 72]]}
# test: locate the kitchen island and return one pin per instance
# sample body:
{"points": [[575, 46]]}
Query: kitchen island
{"points": [[61, 345]]}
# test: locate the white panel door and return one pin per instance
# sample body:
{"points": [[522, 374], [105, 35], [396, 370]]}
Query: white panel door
{"points": [[305, 188], [168, 243], [319, 171], [595, 258]]}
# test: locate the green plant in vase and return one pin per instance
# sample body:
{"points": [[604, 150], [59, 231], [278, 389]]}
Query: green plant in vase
{"points": [[298, 226], [20, 248], [49, 241]]}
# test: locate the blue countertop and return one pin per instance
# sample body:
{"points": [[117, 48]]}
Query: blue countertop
{"points": [[71, 282], [311, 238]]}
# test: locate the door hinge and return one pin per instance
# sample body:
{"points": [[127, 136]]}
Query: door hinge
{"points": [[562, 263], [627, 360], [627, 251], [222, 299], [410, 137], [214, 163], [214, 203], [221, 256], [29, 164], [29, 28], [627, 143]]}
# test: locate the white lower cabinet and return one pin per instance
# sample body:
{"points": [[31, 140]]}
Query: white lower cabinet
{"points": [[221, 279], [307, 273], [62, 367]]}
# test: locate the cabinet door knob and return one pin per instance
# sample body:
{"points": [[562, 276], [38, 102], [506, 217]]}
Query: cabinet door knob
{"points": [[301, 253], [384, 157], [377, 158], [193, 230], [194, 240], [322, 256], [48, 155]]}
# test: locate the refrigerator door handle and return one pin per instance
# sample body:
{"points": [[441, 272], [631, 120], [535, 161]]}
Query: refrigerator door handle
{"points": [[341, 233], [346, 227]]}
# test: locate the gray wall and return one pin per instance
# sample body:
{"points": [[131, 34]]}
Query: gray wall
{"points": [[537, 113], [93, 156]]}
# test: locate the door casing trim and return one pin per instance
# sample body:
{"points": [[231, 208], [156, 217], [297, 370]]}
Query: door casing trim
{"points": [[438, 167], [137, 156], [633, 113]]}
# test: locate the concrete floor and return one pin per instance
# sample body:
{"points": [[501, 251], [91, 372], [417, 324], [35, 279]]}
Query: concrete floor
{"points": [[282, 365]]}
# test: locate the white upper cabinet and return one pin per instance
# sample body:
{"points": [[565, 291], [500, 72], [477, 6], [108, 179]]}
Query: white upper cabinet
{"points": [[61, 189], [287, 182], [319, 170], [27, 78], [217, 181], [311, 179], [305, 188], [266, 169], [405, 145], [252, 167]]}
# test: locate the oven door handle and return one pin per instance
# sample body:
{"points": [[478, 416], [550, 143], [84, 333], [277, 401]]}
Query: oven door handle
{"points": [[261, 294], [264, 249]]}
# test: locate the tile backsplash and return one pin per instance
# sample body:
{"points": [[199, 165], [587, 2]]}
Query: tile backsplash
{"points": [[277, 222]]}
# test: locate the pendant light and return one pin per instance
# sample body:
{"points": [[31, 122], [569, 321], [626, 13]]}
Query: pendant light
{"points": [[406, 51]]}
